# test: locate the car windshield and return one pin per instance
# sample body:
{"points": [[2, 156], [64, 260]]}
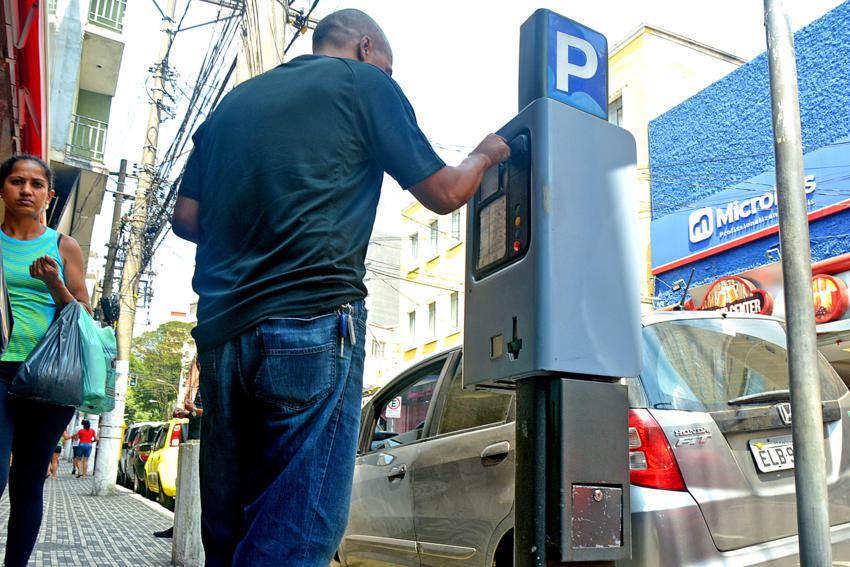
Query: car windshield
{"points": [[703, 364]]}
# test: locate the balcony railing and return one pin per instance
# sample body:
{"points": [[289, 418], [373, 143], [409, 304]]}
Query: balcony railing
{"points": [[108, 14], [88, 138]]}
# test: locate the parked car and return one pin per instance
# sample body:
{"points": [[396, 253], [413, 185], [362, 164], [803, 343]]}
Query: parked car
{"points": [[125, 473], [138, 453], [161, 466], [712, 479]]}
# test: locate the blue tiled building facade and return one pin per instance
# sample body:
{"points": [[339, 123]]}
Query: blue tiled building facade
{"points": [[722, 138]]}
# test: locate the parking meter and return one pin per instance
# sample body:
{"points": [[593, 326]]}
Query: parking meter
{"points": [[552, 297]]}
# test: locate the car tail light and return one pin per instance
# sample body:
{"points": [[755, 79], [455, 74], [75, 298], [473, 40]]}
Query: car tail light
{"points": [[175, 434], [651, 459]]}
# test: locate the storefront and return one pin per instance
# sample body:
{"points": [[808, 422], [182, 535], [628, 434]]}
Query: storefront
{"points": [[23, 81], [714, 212]]}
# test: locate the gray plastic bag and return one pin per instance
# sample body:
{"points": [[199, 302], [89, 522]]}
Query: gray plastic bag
{"points": [[53, 371]]}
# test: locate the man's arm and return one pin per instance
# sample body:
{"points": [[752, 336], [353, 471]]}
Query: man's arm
{"points": [[184, 221], [451, 187]]}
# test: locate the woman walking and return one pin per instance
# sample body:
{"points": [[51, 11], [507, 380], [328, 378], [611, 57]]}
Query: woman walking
{"points": [[44, 272], [87, 437]]}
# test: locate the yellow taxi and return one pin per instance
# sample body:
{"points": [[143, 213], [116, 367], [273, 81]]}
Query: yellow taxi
{"points": [[161, 466]]}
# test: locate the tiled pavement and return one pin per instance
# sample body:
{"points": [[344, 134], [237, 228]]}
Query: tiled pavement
{"points": [[82, 530]]}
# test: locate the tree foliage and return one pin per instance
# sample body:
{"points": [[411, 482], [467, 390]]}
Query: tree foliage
{"points": [[156, 363]]}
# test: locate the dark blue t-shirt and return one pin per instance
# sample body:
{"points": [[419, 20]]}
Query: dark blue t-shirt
{"points": [[288, 173]]}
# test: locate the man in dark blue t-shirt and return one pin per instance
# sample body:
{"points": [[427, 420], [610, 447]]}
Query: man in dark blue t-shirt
{"points": [[280, 195]]}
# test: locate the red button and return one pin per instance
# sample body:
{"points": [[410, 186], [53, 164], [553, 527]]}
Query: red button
{"points": [[517, 245]]}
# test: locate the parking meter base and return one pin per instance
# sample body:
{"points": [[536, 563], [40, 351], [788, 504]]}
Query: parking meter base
{"points": [[572, 474]]}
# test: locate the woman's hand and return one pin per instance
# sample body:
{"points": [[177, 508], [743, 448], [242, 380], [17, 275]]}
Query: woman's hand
{"points": [[47, 270]]}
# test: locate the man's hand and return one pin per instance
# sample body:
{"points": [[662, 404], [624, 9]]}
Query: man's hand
{"points": [[495, 148], [452, 187], [180, 413]]}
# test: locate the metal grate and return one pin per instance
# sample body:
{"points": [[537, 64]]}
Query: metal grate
{"points": [[108, 14], [88, 138]]}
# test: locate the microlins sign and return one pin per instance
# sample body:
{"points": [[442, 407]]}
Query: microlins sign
{"points": [[746, 211], [732, 218]]}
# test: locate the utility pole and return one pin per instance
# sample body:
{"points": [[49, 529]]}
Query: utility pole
{"points": [[109, 446], [807, 426], [114, 234]]}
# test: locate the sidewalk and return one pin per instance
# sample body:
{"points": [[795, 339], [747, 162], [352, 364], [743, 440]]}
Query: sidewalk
{"points": [[83, 530]]}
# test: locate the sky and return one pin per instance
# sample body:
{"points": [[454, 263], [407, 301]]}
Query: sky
{"points": [[455, 59]]}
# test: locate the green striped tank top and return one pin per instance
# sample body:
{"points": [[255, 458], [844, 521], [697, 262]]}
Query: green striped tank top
{"points": [[33, 308]]}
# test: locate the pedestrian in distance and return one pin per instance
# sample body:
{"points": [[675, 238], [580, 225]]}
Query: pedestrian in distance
{"points": [[53, 468], [87, 437], [75, 452], [280, 195], [44, 272]]}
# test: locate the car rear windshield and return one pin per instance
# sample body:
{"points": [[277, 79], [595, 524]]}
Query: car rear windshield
{"points": [[702, 364]]}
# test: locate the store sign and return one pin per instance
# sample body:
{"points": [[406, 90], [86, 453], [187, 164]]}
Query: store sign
{"points": [[831, 300], [737, 295], [747, 211]]}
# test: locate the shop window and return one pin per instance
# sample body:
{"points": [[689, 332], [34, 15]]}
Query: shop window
{"points": [[615, 112], [456, 224], [454, 315]]}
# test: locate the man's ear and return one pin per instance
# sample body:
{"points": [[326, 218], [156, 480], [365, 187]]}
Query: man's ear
{"points": [[364, 48]]}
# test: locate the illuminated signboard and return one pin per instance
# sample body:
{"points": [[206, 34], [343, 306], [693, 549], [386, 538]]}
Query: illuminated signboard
{"points": [[737, 295], [830, 295]]}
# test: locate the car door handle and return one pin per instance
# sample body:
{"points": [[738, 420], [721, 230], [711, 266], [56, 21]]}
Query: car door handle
{"points": [[397, 473], [495, 453]]}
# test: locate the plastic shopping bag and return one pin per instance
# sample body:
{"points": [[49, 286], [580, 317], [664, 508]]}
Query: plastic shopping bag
{"points": [[53, 371], [99, 350]]}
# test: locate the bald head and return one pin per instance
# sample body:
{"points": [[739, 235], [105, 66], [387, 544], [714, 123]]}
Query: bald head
{"points": [[353, 34]]}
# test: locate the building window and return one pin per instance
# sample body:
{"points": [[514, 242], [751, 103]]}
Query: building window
{"points": [[456, 224], [413, 239], [453, 309], [432, 319], [434, 236], [411, 324], [378, 348], [615, 112]]}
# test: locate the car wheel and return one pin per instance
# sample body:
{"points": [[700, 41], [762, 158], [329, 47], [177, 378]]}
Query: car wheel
{"points": [[166, 502], [139, 486]]}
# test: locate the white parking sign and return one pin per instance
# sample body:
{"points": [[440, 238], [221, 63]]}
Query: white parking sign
{"points": [[393, 410]]}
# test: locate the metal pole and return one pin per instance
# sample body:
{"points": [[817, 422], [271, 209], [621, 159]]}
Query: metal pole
{"points": [[112, 247], [808, 431], [106, 469]]}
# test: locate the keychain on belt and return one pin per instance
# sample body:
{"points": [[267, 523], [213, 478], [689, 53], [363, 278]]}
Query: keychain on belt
{"points": [[346, 327]]}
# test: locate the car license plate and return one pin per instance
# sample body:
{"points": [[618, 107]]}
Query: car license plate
{"points": [[776, 454]]}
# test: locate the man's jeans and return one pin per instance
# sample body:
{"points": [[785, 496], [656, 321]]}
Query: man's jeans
{"points": [[278, 442]]}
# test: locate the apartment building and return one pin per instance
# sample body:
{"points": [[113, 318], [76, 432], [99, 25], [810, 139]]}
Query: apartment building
{"points": [[85, 48], [431, 284]]}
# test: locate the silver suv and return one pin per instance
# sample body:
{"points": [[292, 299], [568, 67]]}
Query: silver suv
{"points": [[711, 456]]}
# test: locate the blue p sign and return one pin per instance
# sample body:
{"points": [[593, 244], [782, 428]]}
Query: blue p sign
{"points": [[563, 60]]}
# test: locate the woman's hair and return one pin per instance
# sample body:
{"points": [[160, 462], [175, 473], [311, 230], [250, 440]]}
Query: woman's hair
{"points": [[9, 165], [86, 424]]}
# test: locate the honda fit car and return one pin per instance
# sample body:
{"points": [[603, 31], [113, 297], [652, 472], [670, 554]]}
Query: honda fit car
{"points": [[712, 464]]}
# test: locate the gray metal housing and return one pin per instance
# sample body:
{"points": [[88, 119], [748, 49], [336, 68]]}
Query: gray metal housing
{"points": [[574, 293]]}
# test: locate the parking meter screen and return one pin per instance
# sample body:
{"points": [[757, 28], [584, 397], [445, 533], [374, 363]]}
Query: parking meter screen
{"points": [[492, 244]]}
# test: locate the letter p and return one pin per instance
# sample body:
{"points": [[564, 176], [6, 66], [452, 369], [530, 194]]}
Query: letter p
{"points": [[565, 69]]}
